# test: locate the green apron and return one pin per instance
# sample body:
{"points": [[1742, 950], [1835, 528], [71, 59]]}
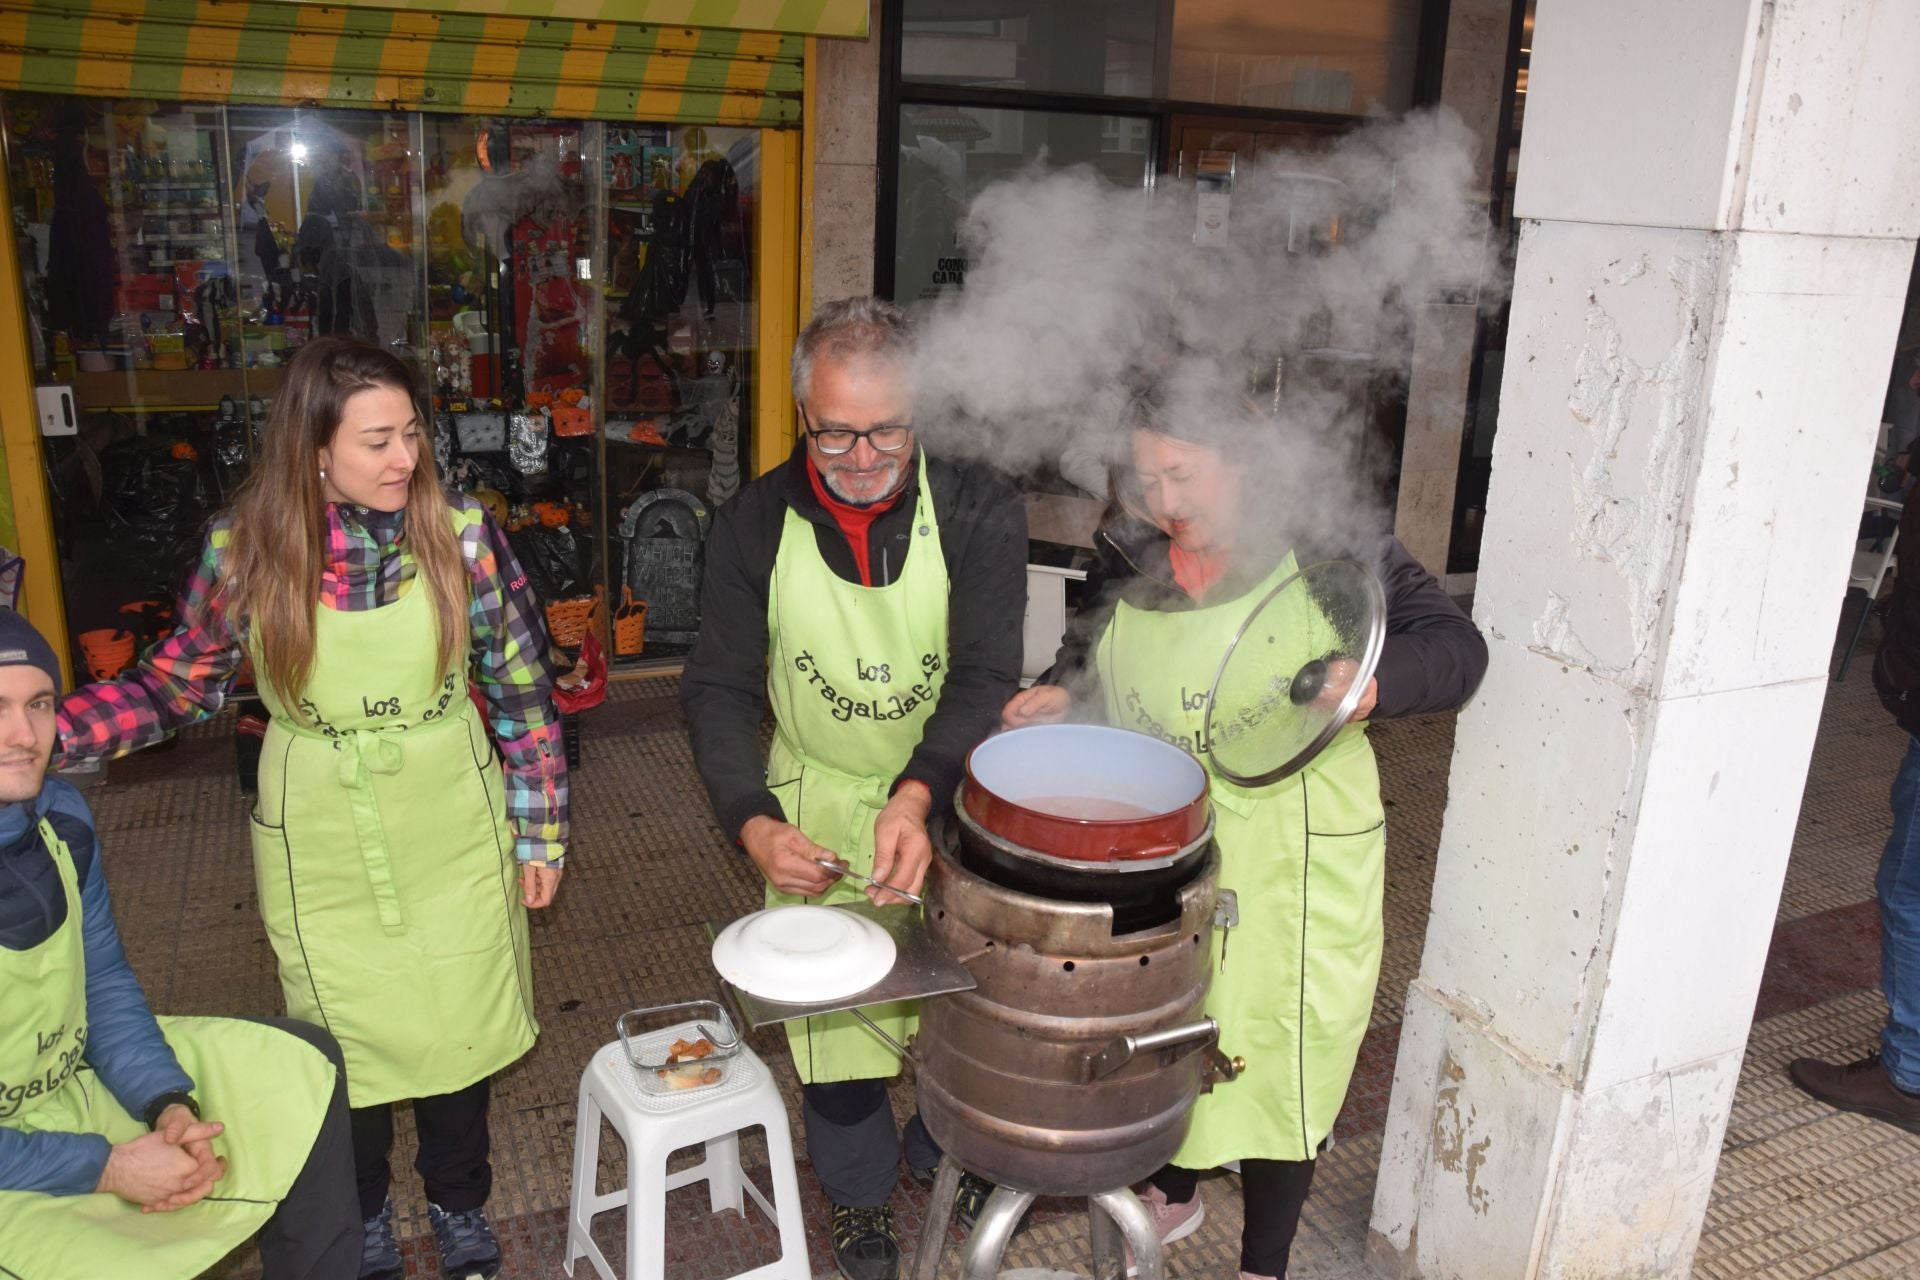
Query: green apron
{"points": [[385, 864], [268, 1088], [1293, 983], [853, 673]]}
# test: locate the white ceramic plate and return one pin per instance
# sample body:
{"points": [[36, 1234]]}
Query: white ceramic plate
{"points": [[803, 954]]}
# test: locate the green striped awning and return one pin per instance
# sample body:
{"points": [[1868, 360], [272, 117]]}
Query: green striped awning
{"points": [[401, 59], [796, 17]]}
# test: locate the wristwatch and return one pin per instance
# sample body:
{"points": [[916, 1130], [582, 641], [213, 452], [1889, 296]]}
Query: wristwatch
{"points": [[165, 1100]]}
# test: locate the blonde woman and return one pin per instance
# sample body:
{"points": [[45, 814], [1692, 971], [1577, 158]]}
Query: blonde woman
{"points": [[394, 855]]}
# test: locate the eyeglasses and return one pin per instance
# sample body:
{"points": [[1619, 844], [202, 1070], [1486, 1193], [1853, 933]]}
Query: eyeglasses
{"points": [[838, 440]]}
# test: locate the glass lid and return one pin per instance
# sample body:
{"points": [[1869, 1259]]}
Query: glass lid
{"points": [[1295, 672]]}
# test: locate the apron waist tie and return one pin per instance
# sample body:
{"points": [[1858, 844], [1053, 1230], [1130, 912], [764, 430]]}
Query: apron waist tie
{"points": [[362, 755], [871, 791]]}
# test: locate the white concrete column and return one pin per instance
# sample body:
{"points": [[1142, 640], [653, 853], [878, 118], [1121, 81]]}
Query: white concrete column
{"points": [[1720, 199], [846, 174], [1471, 82]]}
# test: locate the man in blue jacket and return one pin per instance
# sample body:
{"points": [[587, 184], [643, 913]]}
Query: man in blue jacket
{"points": [[130, 1145]]}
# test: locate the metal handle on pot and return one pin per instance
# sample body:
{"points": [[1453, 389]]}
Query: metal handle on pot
{"points": [[1173, 1043]]}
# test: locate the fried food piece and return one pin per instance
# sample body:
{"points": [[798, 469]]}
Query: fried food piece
{"points": [[691, 1076], [683, 1069], [689, 1050]]}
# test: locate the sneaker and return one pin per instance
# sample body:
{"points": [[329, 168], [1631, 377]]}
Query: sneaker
{"points": [[380, 1252], [864, 1245], [970, 1199], [468, 1249], [1170, 1221], [1862, 1087]]}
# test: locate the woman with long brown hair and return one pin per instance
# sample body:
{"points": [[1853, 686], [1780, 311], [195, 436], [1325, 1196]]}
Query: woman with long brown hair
{"points": [[394, 856]]}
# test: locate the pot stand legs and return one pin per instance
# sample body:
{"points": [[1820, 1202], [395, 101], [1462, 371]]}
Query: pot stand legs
{"points": [[933, 1232], [1113, 1216], [993, 1233], [1122, 1211]]}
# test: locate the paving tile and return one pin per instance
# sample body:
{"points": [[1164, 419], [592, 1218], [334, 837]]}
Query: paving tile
{"points": [[1801, 1190]]}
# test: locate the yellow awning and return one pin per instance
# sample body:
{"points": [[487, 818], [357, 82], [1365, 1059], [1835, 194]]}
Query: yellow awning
{"points": [[276, 52], [796, 17]]}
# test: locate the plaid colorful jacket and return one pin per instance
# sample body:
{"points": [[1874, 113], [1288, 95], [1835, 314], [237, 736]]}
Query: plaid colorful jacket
{"points": [[187, 676]]}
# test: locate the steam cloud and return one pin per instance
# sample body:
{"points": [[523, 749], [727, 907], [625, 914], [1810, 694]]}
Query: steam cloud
{"points": [[1078, 286]]}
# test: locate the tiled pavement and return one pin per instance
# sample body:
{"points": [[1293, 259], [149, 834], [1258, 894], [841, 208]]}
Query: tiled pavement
{"points": [[1801, 1191]]}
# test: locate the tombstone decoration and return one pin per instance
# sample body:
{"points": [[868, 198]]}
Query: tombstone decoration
{"points": [[665, 531]]}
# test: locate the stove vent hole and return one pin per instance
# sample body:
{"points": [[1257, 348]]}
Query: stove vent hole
{"points": [[1068, 966]]}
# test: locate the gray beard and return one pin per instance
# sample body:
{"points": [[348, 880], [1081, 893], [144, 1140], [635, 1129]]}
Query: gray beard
{"points": [[831, 478]]}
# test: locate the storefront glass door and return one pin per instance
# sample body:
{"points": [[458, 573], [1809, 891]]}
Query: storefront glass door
{"points": [[577, 296]]}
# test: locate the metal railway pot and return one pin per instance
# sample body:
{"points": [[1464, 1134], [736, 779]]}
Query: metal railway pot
{"points": [[1143, 891], [1072, 1067]]}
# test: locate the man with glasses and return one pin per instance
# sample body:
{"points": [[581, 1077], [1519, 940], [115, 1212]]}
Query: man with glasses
{"points": [[874, 596]]}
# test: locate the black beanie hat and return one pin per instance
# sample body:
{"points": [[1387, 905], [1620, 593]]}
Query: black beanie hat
{"points": [[22, 646]]}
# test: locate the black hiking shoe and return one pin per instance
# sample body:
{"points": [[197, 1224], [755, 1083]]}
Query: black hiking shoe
{"points": [[864, 1245], [380, 1252], [468, 1249]]}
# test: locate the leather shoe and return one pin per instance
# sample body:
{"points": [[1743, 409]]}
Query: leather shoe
{"points": [[1863, 1087]]}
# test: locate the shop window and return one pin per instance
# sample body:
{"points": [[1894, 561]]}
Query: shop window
{"points": [[324, 229], [1050, 46], [1344, 57], [577, 296], [1347, 57], [128, 268], [947, 154]]}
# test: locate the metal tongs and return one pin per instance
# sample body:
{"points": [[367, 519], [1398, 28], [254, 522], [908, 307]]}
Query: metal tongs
{"points": [[842, 869]]}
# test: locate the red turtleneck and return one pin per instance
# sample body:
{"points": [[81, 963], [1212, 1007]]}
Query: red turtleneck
{"points": [[1196, 571], [853, 521]]}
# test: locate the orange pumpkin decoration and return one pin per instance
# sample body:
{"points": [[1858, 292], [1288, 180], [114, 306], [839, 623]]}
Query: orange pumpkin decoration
{"points": [[183, 452], [552, 514]]}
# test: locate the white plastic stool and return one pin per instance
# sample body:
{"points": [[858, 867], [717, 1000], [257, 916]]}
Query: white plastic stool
{"points": [[653, 1127]]}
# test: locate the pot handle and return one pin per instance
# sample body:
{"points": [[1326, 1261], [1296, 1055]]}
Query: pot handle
{"points": [[1151, 851], [1172, 1043]]}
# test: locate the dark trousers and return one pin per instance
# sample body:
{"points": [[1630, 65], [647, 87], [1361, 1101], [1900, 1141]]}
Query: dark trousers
{"points": [[453, 1150], [853, 1145], [1274, 1191], [315, 1233]]}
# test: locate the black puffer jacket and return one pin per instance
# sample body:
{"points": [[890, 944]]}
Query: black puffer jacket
{"points": [[983, 536], [1432, 661]]}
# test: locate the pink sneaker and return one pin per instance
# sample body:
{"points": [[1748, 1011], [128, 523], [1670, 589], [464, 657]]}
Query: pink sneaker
{"points": [[1170, 1221]]}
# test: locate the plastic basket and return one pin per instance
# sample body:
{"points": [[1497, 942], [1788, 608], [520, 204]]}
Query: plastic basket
{"points": [[108, 651], [568, 621], [572, 420], [649, 1035], [629, 624]]}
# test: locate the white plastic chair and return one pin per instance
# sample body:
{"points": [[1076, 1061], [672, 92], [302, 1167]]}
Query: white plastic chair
{"points": [[1046, 620], [1869, 575], [653, 1127]]}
